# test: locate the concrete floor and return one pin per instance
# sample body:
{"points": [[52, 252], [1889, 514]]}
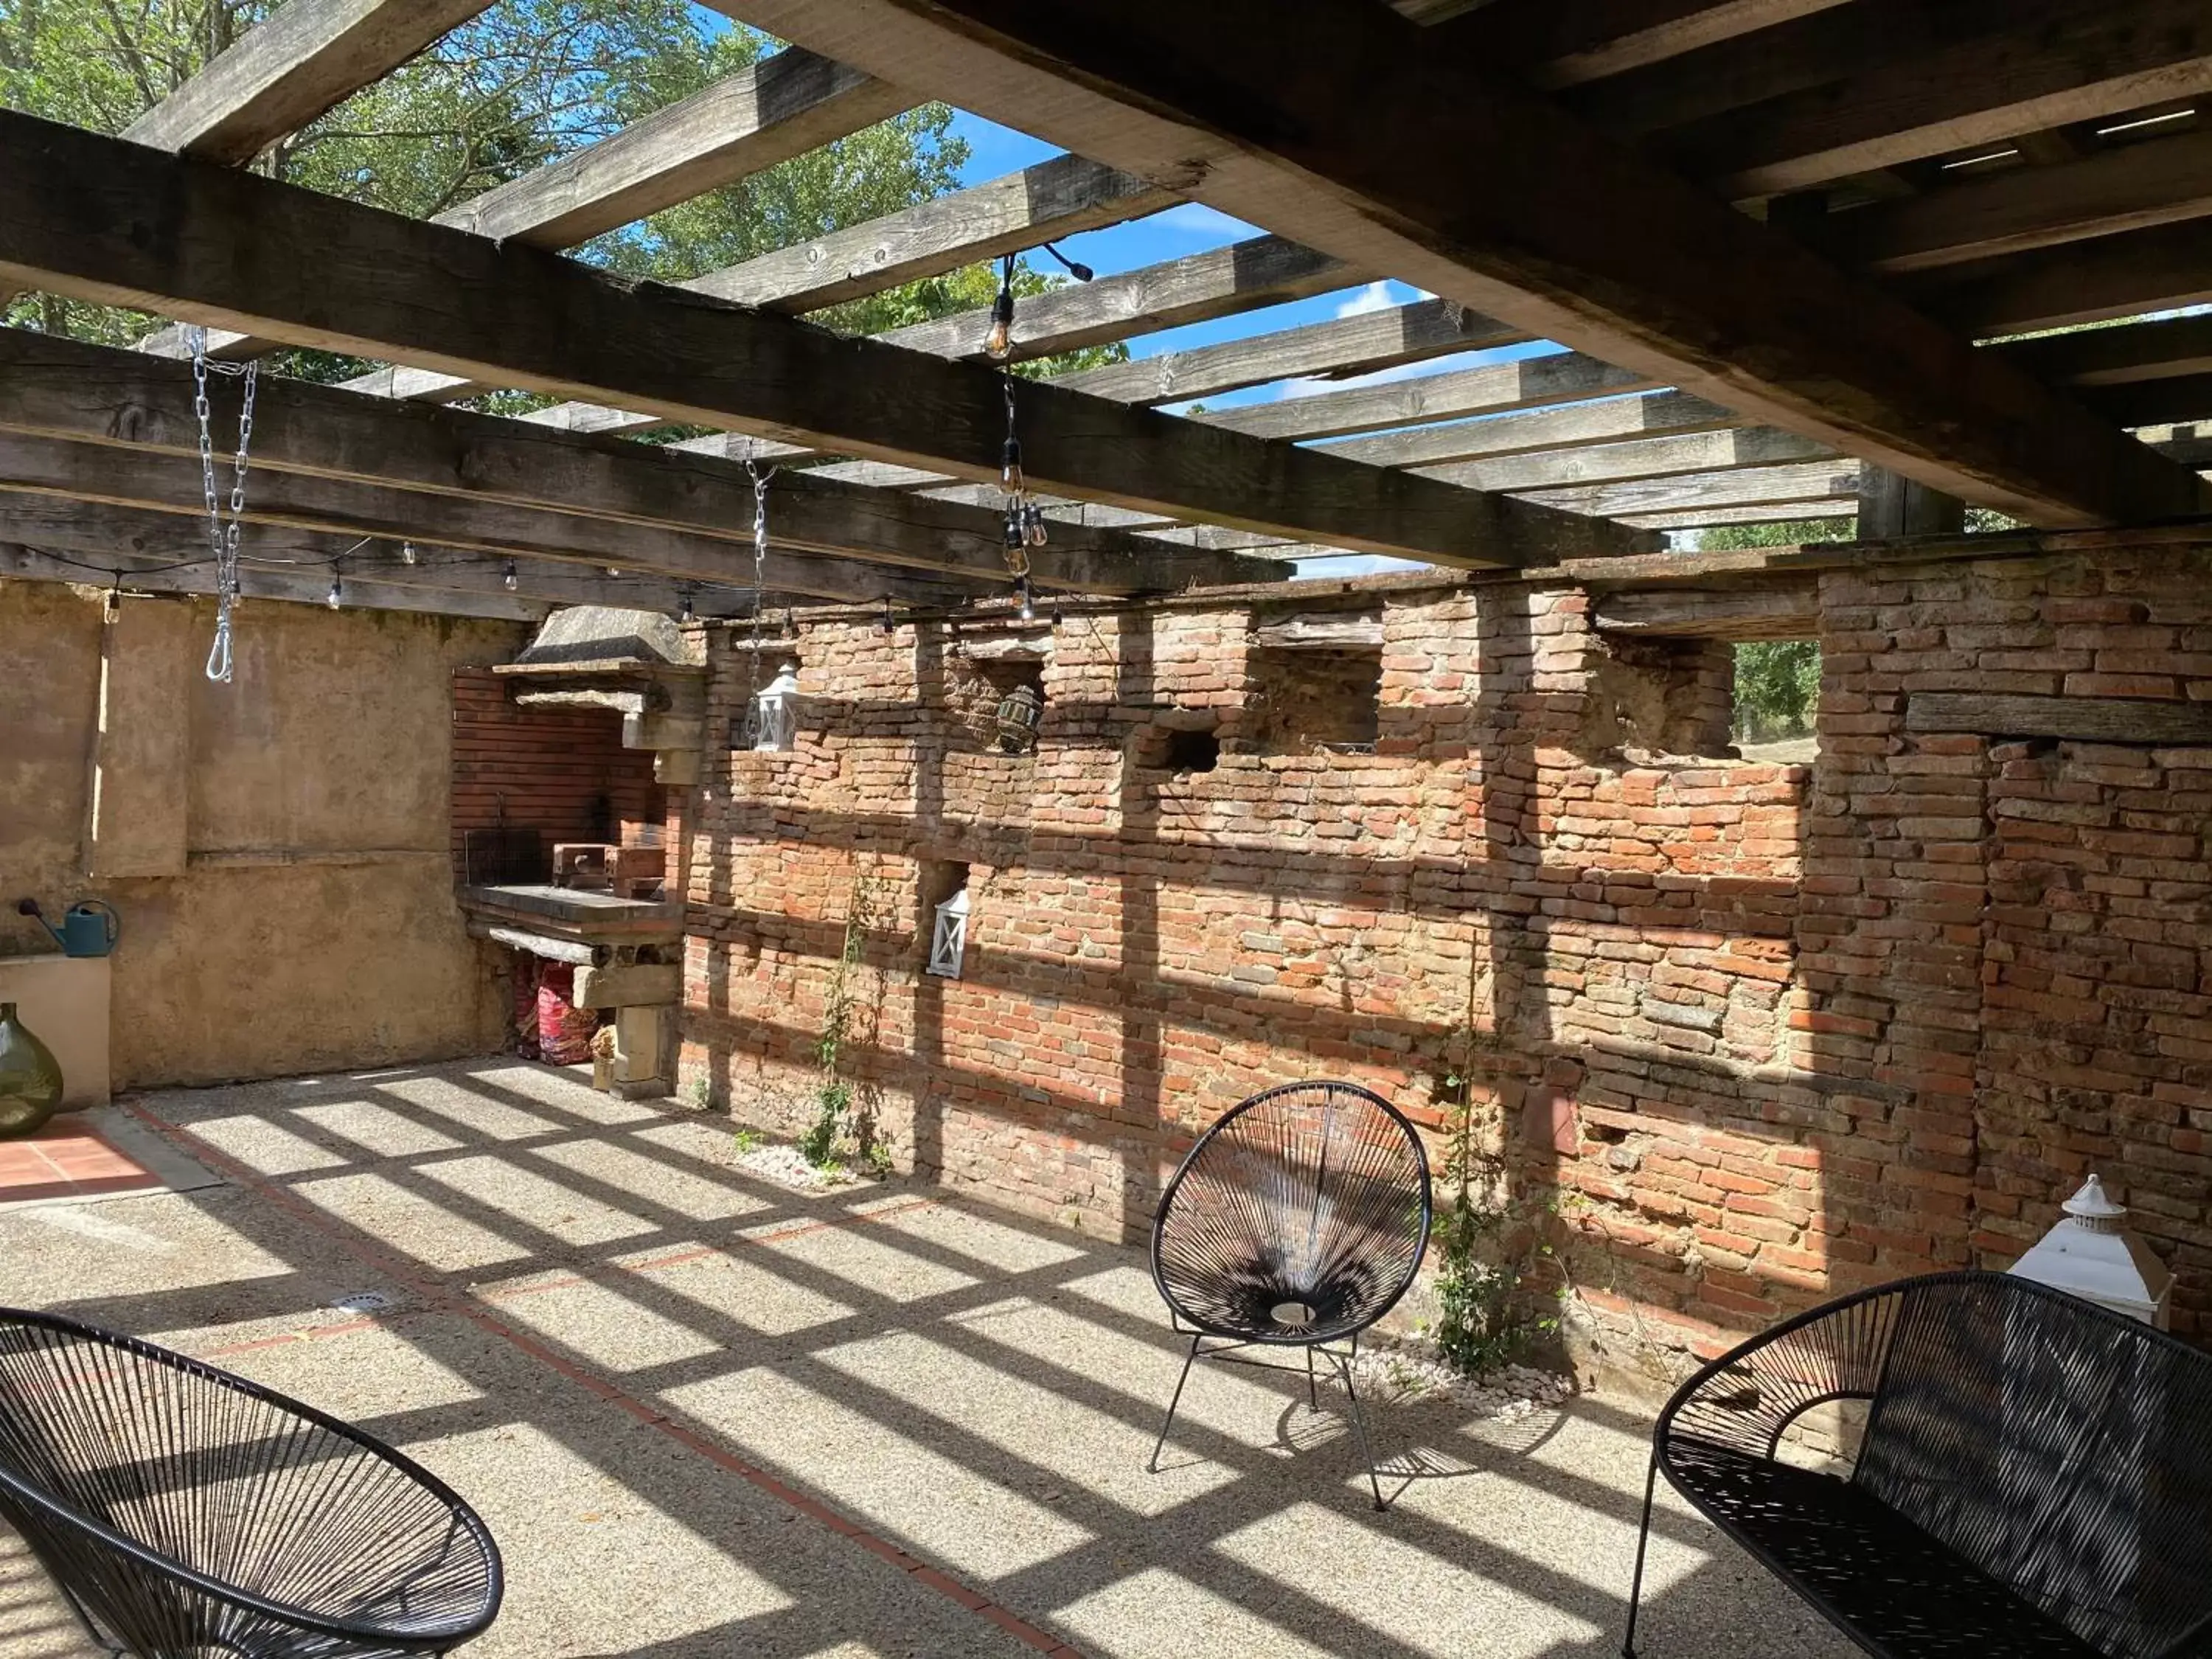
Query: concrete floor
{"points": [[706, 1416]]}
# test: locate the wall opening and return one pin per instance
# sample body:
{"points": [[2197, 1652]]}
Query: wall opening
{"points": [[1300, 700], [1192, 751], [943, 923], [1775, 700]]}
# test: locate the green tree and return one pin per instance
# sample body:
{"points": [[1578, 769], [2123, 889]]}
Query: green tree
{"points": [[1778, 682]]}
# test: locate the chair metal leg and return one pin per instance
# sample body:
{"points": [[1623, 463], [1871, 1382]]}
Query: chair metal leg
{"points": [[1160, 1444], [1643, 1537], [1359, 1427], [1313, 1395]]}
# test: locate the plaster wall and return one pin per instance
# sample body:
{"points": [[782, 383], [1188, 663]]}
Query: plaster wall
{"points": [[280, 843]]}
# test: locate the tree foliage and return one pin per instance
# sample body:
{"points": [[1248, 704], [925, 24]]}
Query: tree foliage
{"points": [[520, 85], [1778, 682]]}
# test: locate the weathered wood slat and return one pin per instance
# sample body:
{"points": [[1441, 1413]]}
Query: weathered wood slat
{"points": [[109, 220], [2086, 719], [2123, 275], [1753, 487], [1707, 452], [303, 59], [2129, 187], [1267, 109], [1788, 611], [1566, 42], [1614, 420], [2166, 400], [2147, 350], [1357, 344], [1708, 518], [33, 564], [295, 501], [1528, 384], [782, 107], [67, 389], [1322, 630], [1063, 196], [1899, 82], [1221, 281]]}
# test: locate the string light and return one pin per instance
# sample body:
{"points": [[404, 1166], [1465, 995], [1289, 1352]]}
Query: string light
{"points": [[507, 579], [1022, 599], [688, 615], [1057, 618], [998, 343], [335, 597], [406, 552], [886, 623]]}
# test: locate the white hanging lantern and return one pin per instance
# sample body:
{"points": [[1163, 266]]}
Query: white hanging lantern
{"points": [[777, 713], [2090, 1255], [950, 941]]}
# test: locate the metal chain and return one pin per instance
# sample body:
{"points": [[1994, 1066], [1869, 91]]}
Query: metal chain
{"points": [[223, 539], [760, 587]]}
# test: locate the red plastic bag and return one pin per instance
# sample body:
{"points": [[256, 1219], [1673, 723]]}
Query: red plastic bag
{"points": [[564, 1031]]}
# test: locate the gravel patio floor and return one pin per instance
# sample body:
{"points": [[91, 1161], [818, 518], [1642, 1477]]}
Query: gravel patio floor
{"points": [[707, 1415]]}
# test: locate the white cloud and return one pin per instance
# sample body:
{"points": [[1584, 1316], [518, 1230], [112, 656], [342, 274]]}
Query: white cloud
{"points": [[1375, 296], [1197, 220]]}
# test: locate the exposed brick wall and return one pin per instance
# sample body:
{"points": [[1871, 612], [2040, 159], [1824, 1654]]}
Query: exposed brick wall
{"points": [[1768, 1032], [556, 770]]}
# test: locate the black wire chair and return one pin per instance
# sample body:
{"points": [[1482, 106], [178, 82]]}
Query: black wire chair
{"points": [[2034, 1476], [1295, 1222], [187, 1513]]}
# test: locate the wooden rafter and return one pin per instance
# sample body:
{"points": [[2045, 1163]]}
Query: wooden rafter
{"points": [[1565, 43], [1531, 383], [1266, 110], [303, 59], [296, 501], [2119, 275], [66, 389], [107, 221]]}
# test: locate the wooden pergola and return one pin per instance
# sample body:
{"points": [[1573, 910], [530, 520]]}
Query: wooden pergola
{"points": [[1789, 244]]}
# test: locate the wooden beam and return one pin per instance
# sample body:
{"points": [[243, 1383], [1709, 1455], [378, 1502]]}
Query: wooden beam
{"points": [[2125, 187], [1357, 344], [1267, 109], [1885, 82], [1611, 420], [1891, 508], [62, 388], [1321, 630], [255, 582], [1222, 282], [1753, 487], [2154, 349], [296, 501], [2088, 281], [1063, 196], [2084, 719], [107, 221], [782, 107], [1649, 458], [1530, 384], [1767, 611], [1565, 43], [1718, 517], [2165, 401], [304, 59]]}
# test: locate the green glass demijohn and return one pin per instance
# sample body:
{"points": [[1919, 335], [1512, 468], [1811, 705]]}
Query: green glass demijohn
{"points": [[30, 1077]]}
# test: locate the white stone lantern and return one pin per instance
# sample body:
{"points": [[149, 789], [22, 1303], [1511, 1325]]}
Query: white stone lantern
{"points": [[949, 943], [2090, 1255], [777, 713]]}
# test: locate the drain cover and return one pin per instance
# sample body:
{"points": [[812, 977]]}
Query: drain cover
{"points": [[1290, 1313], [360, 1302]]}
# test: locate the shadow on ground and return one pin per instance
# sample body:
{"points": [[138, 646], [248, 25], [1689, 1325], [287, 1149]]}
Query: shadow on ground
{"points": [[709, 1416]]}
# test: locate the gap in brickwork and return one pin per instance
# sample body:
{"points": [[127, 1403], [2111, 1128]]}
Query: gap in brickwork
{"points": [[1192, 751], [1303, 700]]}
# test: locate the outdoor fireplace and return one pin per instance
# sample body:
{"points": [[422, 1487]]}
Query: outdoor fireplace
{"points": [[563, 760]]}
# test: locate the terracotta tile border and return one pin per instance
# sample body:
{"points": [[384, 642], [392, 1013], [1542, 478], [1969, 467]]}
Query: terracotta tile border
{"points": [[435, 1295]]}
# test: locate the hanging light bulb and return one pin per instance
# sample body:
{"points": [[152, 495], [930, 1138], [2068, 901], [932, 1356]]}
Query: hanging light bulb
{"points": [[1022, 599], [1015, 537], [1033, 531], [406, 552], [507, 579], [335, 597], [1058, 618], [688, 614], [1011, 476], [998, 343], [886, 623]]}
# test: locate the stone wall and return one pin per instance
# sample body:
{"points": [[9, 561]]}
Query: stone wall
{"points": [[277, 846], [1758, 1033]]}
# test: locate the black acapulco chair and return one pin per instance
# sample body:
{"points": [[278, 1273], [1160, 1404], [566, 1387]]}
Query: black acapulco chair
{"points": [[187, 1513], [1297, 1221], [2033, 1479]]}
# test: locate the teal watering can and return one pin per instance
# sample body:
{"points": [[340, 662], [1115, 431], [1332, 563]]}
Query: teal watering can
{"points": [[89, 927]]}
